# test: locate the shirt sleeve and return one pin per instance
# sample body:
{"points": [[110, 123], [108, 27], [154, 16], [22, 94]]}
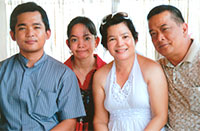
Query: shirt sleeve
{"points": [[70, 104]]}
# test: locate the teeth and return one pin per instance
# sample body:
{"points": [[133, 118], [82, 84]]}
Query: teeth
{"points": [[122, 50]]}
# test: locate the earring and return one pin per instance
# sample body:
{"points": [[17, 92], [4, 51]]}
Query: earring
{"points": [[70, 52], [95, 50]]}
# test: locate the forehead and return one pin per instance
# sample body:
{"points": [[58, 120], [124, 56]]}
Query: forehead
{"points": [[118, 28], [29, 17], [79, 29], [160, 19]]}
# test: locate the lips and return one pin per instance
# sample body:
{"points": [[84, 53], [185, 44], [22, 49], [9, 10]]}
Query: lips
{"points": [[121, 50], [162, 46], [81, 51], [30, 41]]}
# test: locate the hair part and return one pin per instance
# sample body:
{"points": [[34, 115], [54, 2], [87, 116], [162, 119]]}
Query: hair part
{"points": [[28, 7]]}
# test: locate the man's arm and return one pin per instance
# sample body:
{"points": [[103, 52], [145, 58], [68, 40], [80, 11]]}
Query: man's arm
{"points": [[70, 104], [65, 125]]}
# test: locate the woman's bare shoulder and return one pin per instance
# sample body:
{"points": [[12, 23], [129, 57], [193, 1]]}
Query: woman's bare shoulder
{"points": [[149, 67], [147, 63], [101, 74]]}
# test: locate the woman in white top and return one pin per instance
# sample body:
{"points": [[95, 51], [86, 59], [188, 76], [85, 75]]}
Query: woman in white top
{"points": [[130, 93]]}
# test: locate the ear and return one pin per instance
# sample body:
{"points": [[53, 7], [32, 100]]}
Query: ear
{"points": [[48, 34], [136, 42], [97, 40], [67, 42], [185, 29], [12, 35]]}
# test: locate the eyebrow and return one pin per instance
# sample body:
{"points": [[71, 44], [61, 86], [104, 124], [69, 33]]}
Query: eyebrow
{"points": [[163, 25], [83, 35], [124, 33], [120, 34], [87, 34], [160, 26], [72, 36], [22, 24]]}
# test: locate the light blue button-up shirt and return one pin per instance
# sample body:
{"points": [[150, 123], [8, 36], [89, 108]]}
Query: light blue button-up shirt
{"points": [[37, 98]]}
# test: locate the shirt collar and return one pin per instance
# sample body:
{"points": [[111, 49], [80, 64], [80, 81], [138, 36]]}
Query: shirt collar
{"points": [[99, 62], [191, 52], [24, 60]]}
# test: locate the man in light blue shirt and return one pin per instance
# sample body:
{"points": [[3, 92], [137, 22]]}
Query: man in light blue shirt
{"points": [[36, 91]]}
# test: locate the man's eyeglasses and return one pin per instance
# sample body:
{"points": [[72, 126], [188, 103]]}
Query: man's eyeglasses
{"points": [[114, 15]]}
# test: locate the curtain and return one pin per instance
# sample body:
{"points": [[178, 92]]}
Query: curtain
{"points": [[138, 10], [60, 13]]}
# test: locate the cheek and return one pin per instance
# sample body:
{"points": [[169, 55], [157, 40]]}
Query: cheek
{"points": [[172, 34], [73, 47], [19, 38], [41, 35], [153, 41], [110, 47], [92, 44]]}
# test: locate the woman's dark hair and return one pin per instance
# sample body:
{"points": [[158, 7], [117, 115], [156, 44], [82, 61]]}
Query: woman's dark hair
{"points": [[176, 13], [117, 18], [82, 20], [28, 7]]}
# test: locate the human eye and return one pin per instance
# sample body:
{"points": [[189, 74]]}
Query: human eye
{"points": [[73, 40], [152, 33], [87, 38], [125, 36], [165, 29], [37, 27], [21, 28], [111, 39]]}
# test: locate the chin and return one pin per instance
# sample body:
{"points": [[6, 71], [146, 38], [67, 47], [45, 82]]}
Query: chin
{"points": [[81, 57]]}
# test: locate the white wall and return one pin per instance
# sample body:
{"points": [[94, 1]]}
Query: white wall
{"points": [[4, 33], [60, 15]]}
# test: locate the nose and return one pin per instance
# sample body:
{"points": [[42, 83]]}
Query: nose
{"points": [[81, 43], [160, 37], [29, 32], [120, 42]]}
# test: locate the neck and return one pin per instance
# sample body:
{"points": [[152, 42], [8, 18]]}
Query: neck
{"points": [[123, 69], [125, 66], [179, 56], [84, 64], [32, 57], [82, 67]]}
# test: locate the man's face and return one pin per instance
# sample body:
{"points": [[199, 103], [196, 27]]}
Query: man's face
{"points": [[30, 33], [167, 35]]}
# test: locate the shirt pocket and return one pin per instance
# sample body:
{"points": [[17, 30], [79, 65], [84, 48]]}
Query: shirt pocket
{"points": [[45, 105]]}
